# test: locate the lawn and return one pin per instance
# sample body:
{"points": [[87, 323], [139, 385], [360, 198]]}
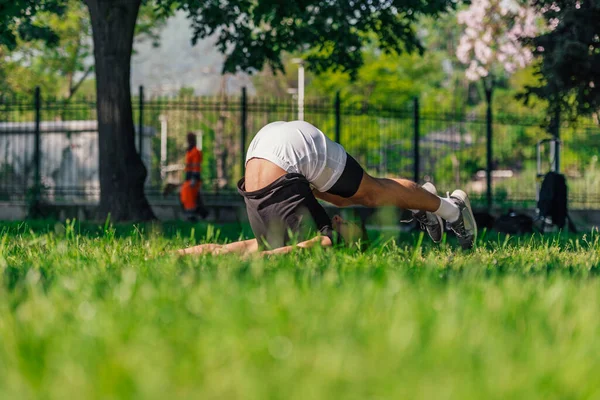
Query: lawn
{"points": [[106, 312]]}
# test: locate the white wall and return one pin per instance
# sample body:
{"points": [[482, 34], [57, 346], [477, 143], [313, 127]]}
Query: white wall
{"points": [[69, 158]]}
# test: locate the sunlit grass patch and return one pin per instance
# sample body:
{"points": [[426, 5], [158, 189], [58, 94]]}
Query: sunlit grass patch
{"points": [[109, 312]]}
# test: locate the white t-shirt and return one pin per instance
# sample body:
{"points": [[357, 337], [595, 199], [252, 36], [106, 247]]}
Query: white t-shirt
{"points": [[299, 147]]}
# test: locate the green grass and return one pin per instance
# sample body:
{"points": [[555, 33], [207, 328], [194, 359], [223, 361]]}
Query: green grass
{"points": [[100, 312]]}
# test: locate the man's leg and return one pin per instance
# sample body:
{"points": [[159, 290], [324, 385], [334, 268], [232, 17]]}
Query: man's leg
{"points": [[200, 208], [456, 209], [375, 192], [355, 186], [336, 200], [402, 193]]}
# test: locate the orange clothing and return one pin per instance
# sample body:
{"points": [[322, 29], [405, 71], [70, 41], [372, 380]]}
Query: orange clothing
{"points": [[188, 195], [193, 160]]}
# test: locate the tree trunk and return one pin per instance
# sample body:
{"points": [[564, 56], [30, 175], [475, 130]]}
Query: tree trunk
{"points": [[122, 173]]}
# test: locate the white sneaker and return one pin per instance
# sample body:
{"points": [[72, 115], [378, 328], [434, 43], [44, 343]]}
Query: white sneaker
{"points": [[428, 221], [465, 226]]}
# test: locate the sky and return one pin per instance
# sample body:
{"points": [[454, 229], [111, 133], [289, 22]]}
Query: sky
{"points": [[176, 64]]}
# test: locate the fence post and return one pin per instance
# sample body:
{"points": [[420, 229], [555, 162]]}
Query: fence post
{"points": [[416, 141], [141, 122], [243, 117], [557, 137], [489, 166], [37, 156], [338, 117]]}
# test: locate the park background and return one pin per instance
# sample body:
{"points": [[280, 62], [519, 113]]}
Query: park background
{"points": [[420, 116], [110, 310]]}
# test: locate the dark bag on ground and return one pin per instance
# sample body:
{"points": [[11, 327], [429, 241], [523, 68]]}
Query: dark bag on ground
{"points": [[514, 223], [484, 220], [553, 199]]}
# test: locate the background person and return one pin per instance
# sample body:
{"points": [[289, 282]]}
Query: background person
{"points": [[190, 195]]}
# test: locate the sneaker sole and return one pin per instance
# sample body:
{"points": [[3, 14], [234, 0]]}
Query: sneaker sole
{"points": [[465, 198], [430, 187], [441, 222]]}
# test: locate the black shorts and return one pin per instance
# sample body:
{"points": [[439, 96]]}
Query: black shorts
{"points": [[348, 183]]}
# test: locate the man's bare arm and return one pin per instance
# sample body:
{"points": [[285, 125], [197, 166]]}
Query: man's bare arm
{"points": [[323, 241], [242, 247], [251, 246]]}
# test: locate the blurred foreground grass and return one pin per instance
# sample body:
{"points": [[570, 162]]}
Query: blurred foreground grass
{"points": [[103, 312]]}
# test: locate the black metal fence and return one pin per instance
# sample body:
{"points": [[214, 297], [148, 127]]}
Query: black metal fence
{"points": [[55, 143]]}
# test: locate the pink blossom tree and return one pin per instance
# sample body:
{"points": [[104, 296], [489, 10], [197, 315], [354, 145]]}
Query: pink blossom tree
{"points": [[491, 44]]}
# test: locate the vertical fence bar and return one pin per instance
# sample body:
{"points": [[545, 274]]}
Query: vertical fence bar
{"points": [[244, 133], [164, 126], [338, 117], [556, 134], [301, 91], [416, 141], [37, 156], [141, 122], [489, 166]]}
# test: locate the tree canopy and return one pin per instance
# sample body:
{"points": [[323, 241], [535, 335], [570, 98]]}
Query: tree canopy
{"points": [[570, 56], [18, 19], [250, 33], [331, 33], [490, 44], [60, 60]]}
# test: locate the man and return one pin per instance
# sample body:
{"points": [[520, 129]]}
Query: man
{"points": [[189, 195], [291, 164]]}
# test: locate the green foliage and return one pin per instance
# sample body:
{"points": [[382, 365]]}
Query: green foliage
{"points": [[436, 77], [25, 31], [64, 67], [254, 33], [105, 312], [385, 79], [59, 60], [18, 19], [570, 56]]}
